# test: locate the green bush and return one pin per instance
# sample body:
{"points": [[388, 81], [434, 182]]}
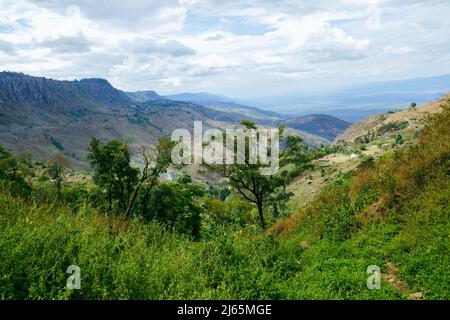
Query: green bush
{"points": [[393, 214]]}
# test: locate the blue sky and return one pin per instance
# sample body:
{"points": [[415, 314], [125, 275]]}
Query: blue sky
{"points": [[243, 49]]}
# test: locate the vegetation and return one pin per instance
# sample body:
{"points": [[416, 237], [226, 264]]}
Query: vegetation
{"points": [[177, 207], [392, 126], [15, 173], [191, 243], [254, 185], [56, 166]]}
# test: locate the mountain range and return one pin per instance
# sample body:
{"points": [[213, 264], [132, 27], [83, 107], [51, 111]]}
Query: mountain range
{"points": [[355, 102], [213, 101], [40, 116]]}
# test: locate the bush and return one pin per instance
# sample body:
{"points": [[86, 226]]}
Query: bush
{"points": [[175, 206], [393, 214], [392, 126]]}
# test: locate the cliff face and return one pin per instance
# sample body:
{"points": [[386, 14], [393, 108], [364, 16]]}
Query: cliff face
{"points": [[320, 124], [58, 96], [41, 116]]}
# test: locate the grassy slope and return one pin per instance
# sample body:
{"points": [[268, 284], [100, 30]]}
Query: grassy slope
{"points": [[394, 215], [309, 184], [414, 117]]}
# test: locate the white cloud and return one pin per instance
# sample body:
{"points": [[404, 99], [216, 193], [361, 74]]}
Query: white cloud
{"points": [[66, 44], [237, 47], [398, 50], [149, 46], [158, 15], [6, 47]]}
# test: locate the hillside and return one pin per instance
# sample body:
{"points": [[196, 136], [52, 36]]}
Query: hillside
{"points": [[31, 101], [315, 129], [392, 213], [411, 119], [320, 124], [143, 96], [369, 138], [41, 116]]}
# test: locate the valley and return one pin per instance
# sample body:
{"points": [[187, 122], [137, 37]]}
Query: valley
{"points": [[372, 137], [42, 116], [224, 159], [368, 198]]}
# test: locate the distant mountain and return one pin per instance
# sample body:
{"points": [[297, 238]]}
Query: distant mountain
{"points": [[320, 124], [225, 104], [35, 100], [142, 96], [325, 126], [392, 123], [41, 116], [315, 129], [354, 103], [436, 84], [199, 97]]}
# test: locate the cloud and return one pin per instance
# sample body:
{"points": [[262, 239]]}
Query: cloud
{"points": [[235, 47], [399, 50], [6, 47], [149, 46], [161, 15], [67, 44], [315, 40]]}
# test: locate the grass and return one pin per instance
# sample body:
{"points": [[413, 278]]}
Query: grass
{"points": [[393, 214]]}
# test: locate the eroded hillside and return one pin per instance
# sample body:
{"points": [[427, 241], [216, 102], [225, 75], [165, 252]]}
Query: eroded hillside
{"points": [[370, 138], [42, 116]]}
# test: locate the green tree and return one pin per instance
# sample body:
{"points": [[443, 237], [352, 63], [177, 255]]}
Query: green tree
{"points": [[177, 207], [57, 164], [413, 105], [247, 178], [280, 198], [14, 172], [155, 164], [296, 153], [113, 172], [399, 139]]}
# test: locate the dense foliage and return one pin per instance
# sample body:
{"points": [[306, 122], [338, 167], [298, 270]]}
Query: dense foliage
{"points": [[393, 212], [249, 179]]}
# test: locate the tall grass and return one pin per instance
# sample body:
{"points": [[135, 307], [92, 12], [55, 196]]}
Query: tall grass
{"points": [[394, 214]]}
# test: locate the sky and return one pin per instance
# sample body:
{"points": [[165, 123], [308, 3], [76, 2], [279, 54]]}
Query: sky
{"points": [[242, 49]]}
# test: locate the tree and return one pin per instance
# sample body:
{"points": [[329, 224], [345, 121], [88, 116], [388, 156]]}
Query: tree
{"points": [[297, 154], [56, 166], [113, 172], [280, 197], [399, 139], [175, 205], [247, 178], [413, 105], [14, 172], [155, 164]]}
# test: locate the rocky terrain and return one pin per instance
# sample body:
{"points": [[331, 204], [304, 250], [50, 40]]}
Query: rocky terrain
{"points": [[41, 116]]}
